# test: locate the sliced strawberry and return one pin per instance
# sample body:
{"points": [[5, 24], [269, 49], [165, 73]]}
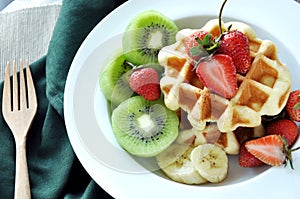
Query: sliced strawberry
{"points": [[145, 82], [218, 74], [268, 149], [236, 45], [293, 105], [284, 127], [246, 159]]}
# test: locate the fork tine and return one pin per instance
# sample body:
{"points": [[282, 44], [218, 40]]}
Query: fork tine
{"points": [[6, 98], [15, 87], [32, 100], [23, 103]]}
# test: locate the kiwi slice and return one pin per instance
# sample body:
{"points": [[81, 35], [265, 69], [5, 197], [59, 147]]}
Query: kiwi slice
{"points": [[114, 81], [146, 34], [144, 128]]}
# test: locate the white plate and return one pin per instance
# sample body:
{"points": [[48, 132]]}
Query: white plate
{"points": [[87, 119]]}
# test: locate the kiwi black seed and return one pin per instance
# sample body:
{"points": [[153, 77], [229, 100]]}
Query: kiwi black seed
{"points": [[146, 34], [114, 81], [144, 128]]}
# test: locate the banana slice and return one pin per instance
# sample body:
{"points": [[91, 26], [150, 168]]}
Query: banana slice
{"points": [[176, 163], [171, 155], [211, 162]]}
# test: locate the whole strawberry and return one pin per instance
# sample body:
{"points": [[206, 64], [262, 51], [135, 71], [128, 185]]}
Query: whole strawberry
{"points": [[246, 159], [145, 82], [284, 127], [235, 44], [293, 105]]}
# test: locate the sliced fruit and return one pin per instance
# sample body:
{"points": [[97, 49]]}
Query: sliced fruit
{"points": [[218, 74], [146, 34], [284, 127], [176, 163], [114, 81], [144, 128], [145, 82], [271, 149], [211, 162]]}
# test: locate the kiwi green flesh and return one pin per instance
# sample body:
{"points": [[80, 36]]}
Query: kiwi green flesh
{"points": [[146, 34], [114, 81], [144, 128]]}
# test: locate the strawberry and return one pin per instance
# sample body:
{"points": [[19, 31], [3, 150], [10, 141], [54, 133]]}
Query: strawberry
{"points": [[218, 74], [246, 159], [271, 149], [235, 44], [196, 43], [284, 127], [293, 105], [145, 82]]}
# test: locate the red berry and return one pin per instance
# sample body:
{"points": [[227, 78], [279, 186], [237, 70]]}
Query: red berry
{"points": [[284, 127], [268, 149], [145, 82], [236, 45], [219, 75], [246, 159], [293, 105]]}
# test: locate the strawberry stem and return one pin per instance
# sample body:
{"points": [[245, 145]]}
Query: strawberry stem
{"points": [[220, 17], [295, 149], [288, 153]]}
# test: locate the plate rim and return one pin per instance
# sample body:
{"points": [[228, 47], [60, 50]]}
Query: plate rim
{"points": [[68, 106]]}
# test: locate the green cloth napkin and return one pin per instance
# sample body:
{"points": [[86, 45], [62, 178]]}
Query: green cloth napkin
{"points": [[54, 170]]}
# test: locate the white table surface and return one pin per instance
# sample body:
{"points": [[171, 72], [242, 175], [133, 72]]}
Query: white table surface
{"points": [[26, 28], [23, 4]]}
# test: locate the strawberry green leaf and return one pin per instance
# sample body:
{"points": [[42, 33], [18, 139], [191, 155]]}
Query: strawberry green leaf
{"points": [[199, 41], [206, 46], [207, 40], [198, 51], [212, 48]]}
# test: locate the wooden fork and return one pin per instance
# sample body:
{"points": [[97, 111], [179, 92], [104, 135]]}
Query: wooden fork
{"points": [[19, 105]]}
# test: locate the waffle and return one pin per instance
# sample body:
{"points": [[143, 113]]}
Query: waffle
{"points": [[262, 91]]}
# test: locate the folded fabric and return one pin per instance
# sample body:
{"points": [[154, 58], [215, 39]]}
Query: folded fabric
{"points": [[54, 169]]}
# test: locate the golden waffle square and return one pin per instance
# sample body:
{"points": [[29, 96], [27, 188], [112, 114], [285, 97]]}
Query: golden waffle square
{"points": [[262, 91]]}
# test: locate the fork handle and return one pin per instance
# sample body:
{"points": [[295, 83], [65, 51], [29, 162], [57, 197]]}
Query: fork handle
{"points": [[22, 185]]}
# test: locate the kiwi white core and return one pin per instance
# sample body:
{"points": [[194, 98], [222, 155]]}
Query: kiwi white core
{"points": [[146, 123], [155, 40]]}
